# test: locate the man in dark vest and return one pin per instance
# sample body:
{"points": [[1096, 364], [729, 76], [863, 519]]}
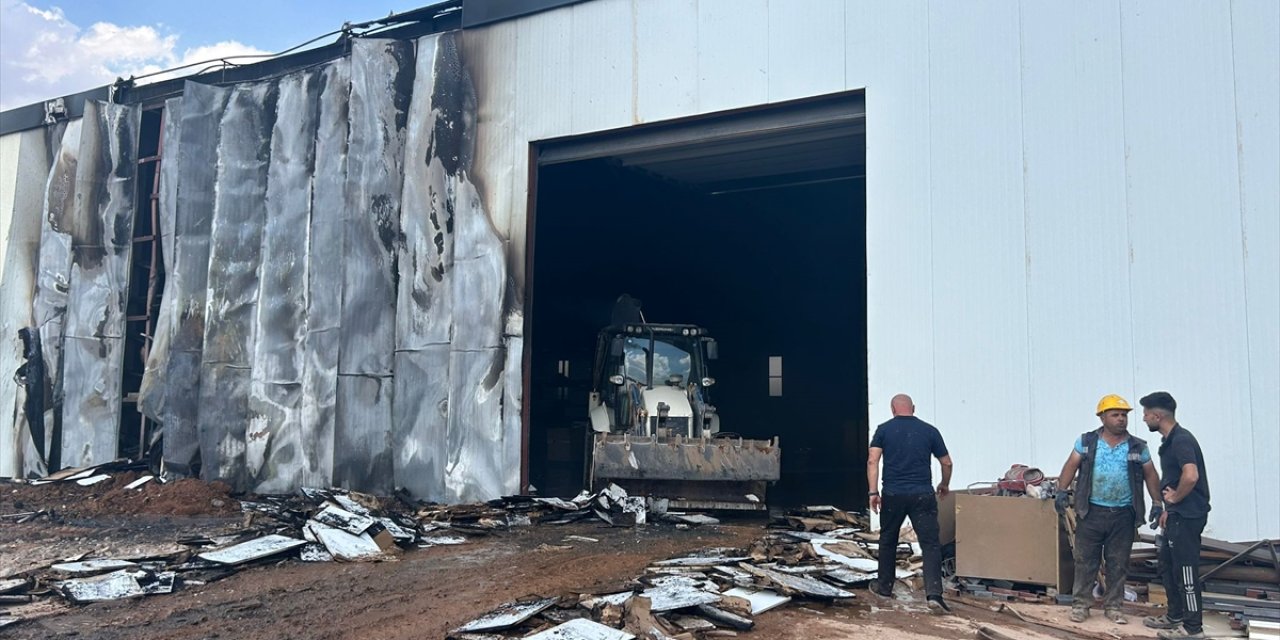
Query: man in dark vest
{"points": [[1114, 465], [1185, 487]]}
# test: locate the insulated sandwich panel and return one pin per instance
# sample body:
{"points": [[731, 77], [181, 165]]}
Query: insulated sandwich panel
{"points": [[978, 235], [1255, 30], [1076, 221], [151, 394], [324, 276], [101, 231], [381, 87], [273, 447], [197, 158], [235, 257], [1186, 257]]}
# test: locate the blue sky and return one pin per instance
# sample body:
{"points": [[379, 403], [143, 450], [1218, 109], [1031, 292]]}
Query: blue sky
{"points": [[49, 49]]}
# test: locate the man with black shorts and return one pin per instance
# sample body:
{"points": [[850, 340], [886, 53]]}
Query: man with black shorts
{"points": [[907, 444]]}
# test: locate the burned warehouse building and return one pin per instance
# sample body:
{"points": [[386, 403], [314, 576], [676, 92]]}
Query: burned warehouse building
{"points": [[390, 262]]}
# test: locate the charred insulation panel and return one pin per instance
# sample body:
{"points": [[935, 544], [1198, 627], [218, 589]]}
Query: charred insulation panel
{"points": [[335, 309]]}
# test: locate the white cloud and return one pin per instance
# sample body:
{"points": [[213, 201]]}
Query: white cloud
{"points": [[44, 55]]}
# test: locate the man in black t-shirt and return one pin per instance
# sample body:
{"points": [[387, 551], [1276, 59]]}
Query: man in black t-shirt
{"points": [[907, 445], [1185, 487]]}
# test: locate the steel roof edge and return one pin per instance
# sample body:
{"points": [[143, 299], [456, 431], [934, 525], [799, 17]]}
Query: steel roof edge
{"points": [[477, 13], [434, 18]]}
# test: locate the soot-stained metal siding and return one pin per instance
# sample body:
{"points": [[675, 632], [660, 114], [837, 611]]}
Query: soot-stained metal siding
{"points": [[337, 290], [336, 305], [86, 225]]}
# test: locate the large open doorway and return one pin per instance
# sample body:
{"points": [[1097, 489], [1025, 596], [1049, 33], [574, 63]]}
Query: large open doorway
{"points": [[750, 224]]}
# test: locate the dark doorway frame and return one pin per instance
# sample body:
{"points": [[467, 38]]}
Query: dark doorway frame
{"points": [[807, 114]]}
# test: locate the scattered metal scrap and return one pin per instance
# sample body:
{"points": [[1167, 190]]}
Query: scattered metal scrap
{"points": [[714, 592], [323, 525], [816, 553]]}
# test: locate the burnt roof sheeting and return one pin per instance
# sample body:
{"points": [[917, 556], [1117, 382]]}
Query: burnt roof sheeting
{"points": [[338, 240]]}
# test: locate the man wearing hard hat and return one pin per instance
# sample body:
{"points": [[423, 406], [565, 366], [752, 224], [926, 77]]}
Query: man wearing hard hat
{"points": [[1114, 465]]}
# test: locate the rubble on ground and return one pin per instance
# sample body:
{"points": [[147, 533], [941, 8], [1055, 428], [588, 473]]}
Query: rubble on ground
{"points": [[313, 525], [812, 554]]}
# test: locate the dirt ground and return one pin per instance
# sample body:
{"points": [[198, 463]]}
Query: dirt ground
{"points": [[422, 594]]}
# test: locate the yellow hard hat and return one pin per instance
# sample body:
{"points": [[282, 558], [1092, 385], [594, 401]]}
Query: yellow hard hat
{"points": [[1112, 401]]}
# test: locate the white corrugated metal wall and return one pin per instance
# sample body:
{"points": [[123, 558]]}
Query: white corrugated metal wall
{"points": [[1063, 201], [22, 179]]}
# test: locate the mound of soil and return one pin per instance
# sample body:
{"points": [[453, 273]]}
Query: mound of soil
{"points": [[185, 497]]}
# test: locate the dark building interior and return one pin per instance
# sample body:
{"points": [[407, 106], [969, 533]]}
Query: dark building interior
{"points": [[762, 242]]}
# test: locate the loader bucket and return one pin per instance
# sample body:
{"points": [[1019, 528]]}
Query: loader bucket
{"points": [[699, 473]]}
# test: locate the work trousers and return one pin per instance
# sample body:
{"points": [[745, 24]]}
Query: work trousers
{"points": [[923, 511], [1103, 533], [1179, 569]]}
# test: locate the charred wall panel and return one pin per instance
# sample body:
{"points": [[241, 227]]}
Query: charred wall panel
{"points": [[53, 277], [357, 330], [324, 277], [381, 86], [423, 307], [197, 157], [274, 442], [152, 393], [235, 255], [18, 453], [101, 232], [476, 467]]}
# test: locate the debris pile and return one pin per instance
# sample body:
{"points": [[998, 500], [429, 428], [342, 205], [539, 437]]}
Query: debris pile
{"points": [[314, 525], [815, 553]]}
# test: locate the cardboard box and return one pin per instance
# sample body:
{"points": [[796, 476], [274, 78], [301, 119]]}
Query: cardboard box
{"points": [[1011, 538]]}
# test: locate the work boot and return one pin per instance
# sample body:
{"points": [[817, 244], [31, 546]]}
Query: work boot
{"points": [[875, 589], [1162, 621], [1116, 616], [1079, 614], [937, 605], [1177, 633]]}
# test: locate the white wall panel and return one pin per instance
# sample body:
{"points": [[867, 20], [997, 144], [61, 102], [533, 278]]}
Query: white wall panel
{"points": [[1014, 265], [9, 148], [979, 258], [1255, 56], [1187, 264], [543, 75], [806, 48], [666, 59], [603, 45], [24, 165], [733, 54], [1077, 227], [492, 62], [888, 55]]}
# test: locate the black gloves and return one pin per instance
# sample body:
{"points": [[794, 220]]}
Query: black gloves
{"points": [[1154, 516], [1060, 502]]}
